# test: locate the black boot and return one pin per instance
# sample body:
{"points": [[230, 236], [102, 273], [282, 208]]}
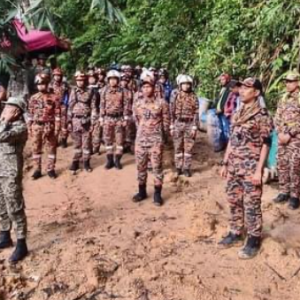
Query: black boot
{"points": [[52, 174], [20, 252], [158, 200], [37, 174], [86, 166], [187, 173], [64, 143], [110, 162], [231, 240], [294, 203], [74, 166], [5, 240], [251, 248], [141, 195], [96, 150], [281, 198], [118, 164], [179, 172]]}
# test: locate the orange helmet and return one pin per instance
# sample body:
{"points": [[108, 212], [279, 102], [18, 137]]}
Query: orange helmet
{"points": [[57, 71]]}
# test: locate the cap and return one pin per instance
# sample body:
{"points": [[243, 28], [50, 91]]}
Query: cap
{"points": [[17, 101], [292, 76], [57, 71], [113, 74], [252, 82], [42, 78], [185, 79], [79, 75]]}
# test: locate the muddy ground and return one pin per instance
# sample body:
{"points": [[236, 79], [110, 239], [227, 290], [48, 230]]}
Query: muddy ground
{"points": [[88, 240]]}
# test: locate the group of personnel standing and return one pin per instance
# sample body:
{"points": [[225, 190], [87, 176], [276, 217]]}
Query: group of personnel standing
{"points": [[136, 110]]}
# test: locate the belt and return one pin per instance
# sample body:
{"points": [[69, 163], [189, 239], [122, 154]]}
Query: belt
{"points": [[120, 115], [43, 123], [186, 120], [80, 117]]}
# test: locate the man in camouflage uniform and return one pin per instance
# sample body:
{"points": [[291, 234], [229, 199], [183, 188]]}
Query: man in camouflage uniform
{"points": [[130, 126], [153, 121], [184, 118], [82, 116], [114, 113], [61, 91], [243, 165], [44, 123], [101, 78], [13, 137], [287, 123], [159, 89]]}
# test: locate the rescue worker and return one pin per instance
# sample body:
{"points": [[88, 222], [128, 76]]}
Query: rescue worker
{"points": [[13, 137], [132, 84], [44, 123], [82, 116], [164, 81], [62, 92], [101, 77], [287, 124], [159, 89], [243, 166], [114, 114], [153, 123], [184, 109]]}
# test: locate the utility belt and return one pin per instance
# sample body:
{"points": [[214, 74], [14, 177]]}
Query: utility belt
{"points": [[185, 120], [115, 116]]}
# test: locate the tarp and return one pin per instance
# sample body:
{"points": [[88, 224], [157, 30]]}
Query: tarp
{"points": [[38, 40]]}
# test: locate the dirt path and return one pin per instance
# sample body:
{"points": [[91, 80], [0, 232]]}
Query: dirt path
{"points": [[89, 241]]}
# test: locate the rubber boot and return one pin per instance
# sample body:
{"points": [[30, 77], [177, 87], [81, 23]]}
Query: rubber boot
{"points": [[293, 203], [37, 174], [141, 195], [158, 200], [5, 240], [110, 162], [281, 198], [74, 166], [20, 252], [179, 172], [187, 173], [52, 174], [87, 166], [251, 248], [118, 164], [231, 240], [64, 143]]}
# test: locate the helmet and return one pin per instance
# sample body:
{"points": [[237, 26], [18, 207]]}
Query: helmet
{"points": [[185, 79], [113, 74], [42, 78], [148, 77], [292, 76], [178, 78], [163, 72], [17, 101], [57, 71], [79, 75], [101, 71], [125, 77], [91, 73], [115, 67]]}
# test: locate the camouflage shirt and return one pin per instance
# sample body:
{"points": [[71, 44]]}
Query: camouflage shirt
{"points": [[184, 106], [247, 139], [152, 118], [114, 102], [287, 118], [44, 108], [82, 103], [58, 89], [13, 137]]}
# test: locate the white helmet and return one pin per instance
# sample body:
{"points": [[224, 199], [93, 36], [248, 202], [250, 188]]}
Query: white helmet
{"points": [[185, 79], [178, 78], [147, 76], [113, 74]]}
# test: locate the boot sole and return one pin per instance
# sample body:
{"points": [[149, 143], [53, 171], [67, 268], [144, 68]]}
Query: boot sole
{"points": [[233, 245]]}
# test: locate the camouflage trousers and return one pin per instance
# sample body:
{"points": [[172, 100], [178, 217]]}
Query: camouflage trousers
{"points": [[12, 206], [244, 198], [288, 164], [97, 137], [153, 154], [113, 132], [64, 123], [130, 131], [184, 142], [44, 134], [82, 138]]}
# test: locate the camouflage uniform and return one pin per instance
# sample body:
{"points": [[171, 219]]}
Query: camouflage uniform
{"points": [[45, 123], [184, 117], [82, 114], [130, 129], [13, 138], [153, 122], [60, 91], [287, 120], [246, 140], [114, 104]]}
